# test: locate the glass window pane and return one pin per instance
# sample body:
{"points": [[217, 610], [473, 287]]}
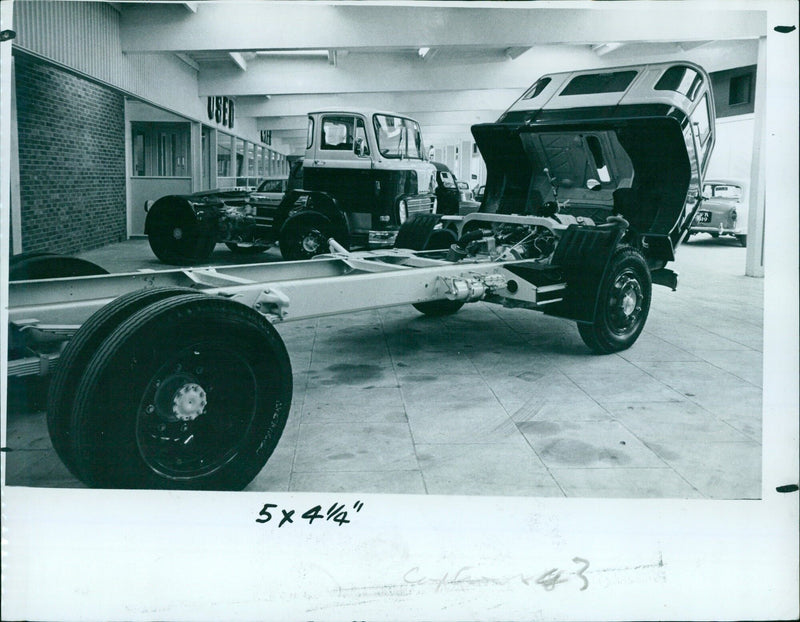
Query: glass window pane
{"points": [[614, 82]]}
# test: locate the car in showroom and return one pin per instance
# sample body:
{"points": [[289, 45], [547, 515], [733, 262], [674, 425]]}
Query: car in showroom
{"points": [[447, 194], [453, 197], [723, 211]]}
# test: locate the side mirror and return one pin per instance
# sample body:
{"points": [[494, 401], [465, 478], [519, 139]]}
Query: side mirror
{"points": [[593, 185]]}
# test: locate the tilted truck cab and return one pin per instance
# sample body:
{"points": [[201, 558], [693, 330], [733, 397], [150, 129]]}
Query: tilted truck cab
{"points": [[630, 141]]}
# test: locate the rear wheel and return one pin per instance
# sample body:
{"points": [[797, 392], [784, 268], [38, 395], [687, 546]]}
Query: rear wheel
{"points": [[623, 305], [76, 355], [191, 392], [29, 266], [179, 241]]}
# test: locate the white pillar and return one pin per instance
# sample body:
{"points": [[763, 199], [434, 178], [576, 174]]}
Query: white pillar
{"points": [[754, 264]]}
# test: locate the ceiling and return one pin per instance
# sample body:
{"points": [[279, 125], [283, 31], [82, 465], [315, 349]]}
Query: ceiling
{"points": [[280, 60]]}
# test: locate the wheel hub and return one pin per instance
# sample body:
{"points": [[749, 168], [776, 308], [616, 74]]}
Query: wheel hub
{"points": [[177, 233], [312, 241], [625, 303], [189, 402]]}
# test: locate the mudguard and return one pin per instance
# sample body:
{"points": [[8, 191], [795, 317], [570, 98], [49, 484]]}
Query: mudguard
{"points": [[583, 255]]}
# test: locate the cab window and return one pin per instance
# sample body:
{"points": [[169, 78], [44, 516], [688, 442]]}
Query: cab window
{"points": [[701, 120], [337, 133], [361, 135], [614, 82], [398, 137], [681, 79], [310, 135]]}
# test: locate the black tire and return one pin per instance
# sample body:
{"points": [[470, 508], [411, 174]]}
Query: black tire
{"points": [[418, 234], [191, 392], [179, 241], [742, 239], [439, 308], [76, 355], [304, 238], [30, 266], [239, 249], [623, 305]]}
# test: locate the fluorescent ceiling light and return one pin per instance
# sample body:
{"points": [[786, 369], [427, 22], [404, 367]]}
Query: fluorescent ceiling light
{"points": [[295, 53]]}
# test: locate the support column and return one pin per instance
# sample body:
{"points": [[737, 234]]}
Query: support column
{"points": [[754, 264], [196, 155], [15, 201]]}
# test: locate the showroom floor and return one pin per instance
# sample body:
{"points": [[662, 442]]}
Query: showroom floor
{"points": [[494, 401]]}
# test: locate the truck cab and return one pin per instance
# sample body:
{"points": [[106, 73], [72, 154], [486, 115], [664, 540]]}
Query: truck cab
{"points": [[364, 174]]}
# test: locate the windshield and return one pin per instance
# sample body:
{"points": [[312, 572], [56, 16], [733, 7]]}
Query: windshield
{"points": [[398, 137]]}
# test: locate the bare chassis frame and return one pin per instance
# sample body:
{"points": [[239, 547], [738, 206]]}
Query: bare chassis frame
{"points": [[52, 310]]}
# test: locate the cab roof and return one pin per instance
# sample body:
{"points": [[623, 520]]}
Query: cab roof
{"points": [[669, 86]]}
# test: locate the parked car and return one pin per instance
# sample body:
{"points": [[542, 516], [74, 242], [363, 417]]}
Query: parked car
{"points": [[447, 193], [464, 191], [723, 210]]}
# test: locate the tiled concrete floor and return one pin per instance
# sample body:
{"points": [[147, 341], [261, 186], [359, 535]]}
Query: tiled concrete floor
{"points": [[494, 401]]}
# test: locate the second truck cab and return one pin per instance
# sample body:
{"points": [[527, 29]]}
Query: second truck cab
{"points": [[364, 174]]}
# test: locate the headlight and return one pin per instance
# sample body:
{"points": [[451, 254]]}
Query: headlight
{"points": [[402, 211]]}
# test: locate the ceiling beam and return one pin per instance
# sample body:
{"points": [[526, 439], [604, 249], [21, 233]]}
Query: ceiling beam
{"points": [[418, 101], [370, 73], [237, 58], [152, 27]]}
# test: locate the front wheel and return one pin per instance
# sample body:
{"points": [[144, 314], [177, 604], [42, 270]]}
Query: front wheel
{"points": [[191, 392], [304, 239], [623, 304]]}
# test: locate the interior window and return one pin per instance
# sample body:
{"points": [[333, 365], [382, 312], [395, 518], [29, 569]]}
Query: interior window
{"points": [[337, 133]]}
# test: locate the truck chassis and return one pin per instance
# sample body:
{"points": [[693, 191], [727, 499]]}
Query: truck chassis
{"points": [[178, 379]]}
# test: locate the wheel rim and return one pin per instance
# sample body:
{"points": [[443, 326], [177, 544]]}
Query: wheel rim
{"points": [[311, 242], [196, 412], [625, 303]]}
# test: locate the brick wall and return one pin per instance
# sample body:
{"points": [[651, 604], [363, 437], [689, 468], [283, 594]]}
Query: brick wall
{"points": [[71, 160]]}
